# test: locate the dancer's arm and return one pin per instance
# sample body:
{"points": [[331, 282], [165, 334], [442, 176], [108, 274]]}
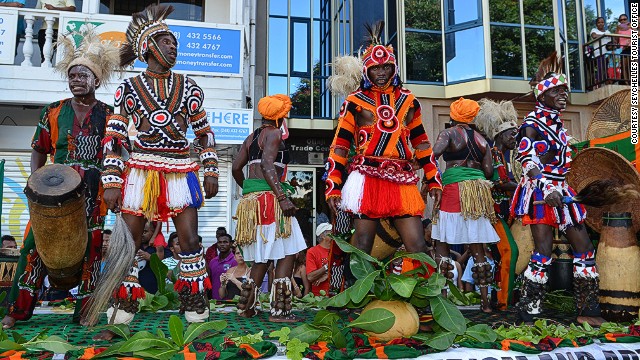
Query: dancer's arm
{"points": [[273, 139], [531, 165], [239, 161], [338, 154]]}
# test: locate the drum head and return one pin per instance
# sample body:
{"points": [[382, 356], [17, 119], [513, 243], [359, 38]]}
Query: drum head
{"points": [[53, 184]]}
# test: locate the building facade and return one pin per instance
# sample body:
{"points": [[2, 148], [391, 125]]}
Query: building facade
{"points": [[214, 38], [446, 49]]}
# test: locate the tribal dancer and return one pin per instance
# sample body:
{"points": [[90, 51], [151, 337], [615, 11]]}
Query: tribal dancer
{"points": [[159, 181], [466, 214], [498, 122], [70, 132], [545, 156], [384, 121], [267, 229]]}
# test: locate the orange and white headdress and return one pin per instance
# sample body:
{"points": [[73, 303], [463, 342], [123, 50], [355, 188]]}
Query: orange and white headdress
{"points": [[378, 54]]}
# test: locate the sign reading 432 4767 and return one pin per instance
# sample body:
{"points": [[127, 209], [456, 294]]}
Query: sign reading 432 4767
{"points": [[8, 28]]}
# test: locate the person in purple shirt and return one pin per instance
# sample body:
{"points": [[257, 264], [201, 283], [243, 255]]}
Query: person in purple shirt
{"points": [[221, 263]]}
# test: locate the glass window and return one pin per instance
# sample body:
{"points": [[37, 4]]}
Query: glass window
{"points": [[300, 96], [613, 9], [572, 20], [300, 8], [574, 66], [190, 10], [538, 12], [365, 12], [422, 14], [461, 11], [278, 85], [423, 56], [278, 46], [506, 51], [300, 47], [278, 7], [540, 44], [504, 11], [590, 15], [463, 51]]}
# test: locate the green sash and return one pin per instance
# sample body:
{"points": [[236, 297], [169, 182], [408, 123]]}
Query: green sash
{"points": [[255, 185], [461, 173]]}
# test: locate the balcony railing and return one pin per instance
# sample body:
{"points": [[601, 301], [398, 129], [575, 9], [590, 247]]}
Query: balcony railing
{"points": [[607, 61]]}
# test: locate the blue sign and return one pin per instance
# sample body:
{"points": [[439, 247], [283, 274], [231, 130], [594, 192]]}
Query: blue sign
{"points": [[230, 126], [206, 50]]}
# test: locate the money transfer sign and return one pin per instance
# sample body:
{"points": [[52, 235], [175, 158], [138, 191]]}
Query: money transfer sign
{"points": [[8, 30]]}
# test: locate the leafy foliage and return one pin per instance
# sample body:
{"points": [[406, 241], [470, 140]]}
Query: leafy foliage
{"points": [[165, 298]]}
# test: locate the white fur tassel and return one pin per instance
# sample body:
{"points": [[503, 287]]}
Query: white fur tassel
{"points": [[347, 74], [352, 192]]}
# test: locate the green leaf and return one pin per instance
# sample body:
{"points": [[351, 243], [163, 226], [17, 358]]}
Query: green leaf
{"points": [[295, 349], [10, 345], [360, 267], [457, 294], [306, 333], [341, 299], [55, 344], [40, 336], [362, 287], [159, 302], [441, 340], [447, 315], [374, 320], [325, 317], [282, 334], [146, 344], [427, 290], [160, 354], [176, 329], [160, 334], [348, 248], [382, 290], [194, 330], [337, 337], [418, 302], [18, 338], [160, 271], [437, 279], [482, 333], [121, 330], [402, 285]]}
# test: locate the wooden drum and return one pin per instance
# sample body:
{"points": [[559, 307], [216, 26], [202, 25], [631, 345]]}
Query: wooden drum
{"points": [[58, 219], [618, 261], [524, 239], [387, 240]]}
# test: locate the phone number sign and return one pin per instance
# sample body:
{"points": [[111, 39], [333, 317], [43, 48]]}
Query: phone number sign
{"points": [[230, 126], [207, 50]]}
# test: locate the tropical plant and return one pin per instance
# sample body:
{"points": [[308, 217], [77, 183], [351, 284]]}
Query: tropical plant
{"points": [[165, 298], [374, 282], [159, 346]]}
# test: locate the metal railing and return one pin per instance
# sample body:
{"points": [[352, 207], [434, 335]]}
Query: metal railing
{"points": [[606, 61]]}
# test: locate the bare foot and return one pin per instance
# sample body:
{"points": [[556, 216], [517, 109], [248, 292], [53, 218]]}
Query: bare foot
{"points": [[8, 322], [486, 310], [591, 320], [104, 335]]}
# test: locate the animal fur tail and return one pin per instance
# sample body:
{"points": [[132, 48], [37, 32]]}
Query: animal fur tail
{"points": [[606, 192], [119, 259]]}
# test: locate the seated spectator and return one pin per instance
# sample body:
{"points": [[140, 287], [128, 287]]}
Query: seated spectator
{"points": [[212, 251], [231, 280], [613, 59], [106, 237], [223, 261], [301, 286], [172, 261], [147, 279], [9, 242], [318, 261]]}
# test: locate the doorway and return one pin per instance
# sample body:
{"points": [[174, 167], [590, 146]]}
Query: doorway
{"points": [[308, 198]]}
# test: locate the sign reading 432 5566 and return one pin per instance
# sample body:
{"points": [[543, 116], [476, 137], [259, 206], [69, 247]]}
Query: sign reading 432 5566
{"points": [[8, 29]]}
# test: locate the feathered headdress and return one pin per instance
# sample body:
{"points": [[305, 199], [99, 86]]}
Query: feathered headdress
{"points": [[377, 54], [347, 75], [143, 26], [102, 59], [549, 75], [494, 118]]}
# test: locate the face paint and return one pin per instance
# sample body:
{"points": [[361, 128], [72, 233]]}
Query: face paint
{"points": [[82, 81]]}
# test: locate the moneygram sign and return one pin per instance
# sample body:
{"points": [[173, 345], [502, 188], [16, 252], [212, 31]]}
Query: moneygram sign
{"points": [[203, 49]]}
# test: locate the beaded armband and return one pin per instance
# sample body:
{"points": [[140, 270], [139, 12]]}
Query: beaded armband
{"points": [[115, 139], [209, 160], [427, 162], [336, 167]]}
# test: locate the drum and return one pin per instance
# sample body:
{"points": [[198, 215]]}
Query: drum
{"points": [[524, 239], [561, 270], [618, 261], [8, 266], [55, 194], [387, 240]]}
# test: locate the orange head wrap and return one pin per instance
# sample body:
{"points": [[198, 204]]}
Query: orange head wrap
{"points": [[274, 107], [464, 110]]}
